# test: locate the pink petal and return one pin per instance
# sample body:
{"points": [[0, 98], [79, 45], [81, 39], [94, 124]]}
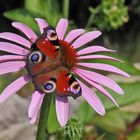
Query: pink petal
{"points": [[42, 24], [14, 87], [85, 38], [12, 48], [35, 104], [15, 38], [100, 88], [61, 28], [74, 34], [98, 57], [100, 79], [26, 30], [93, 49], [34, 118], [104, 67], [5, 58], [12, 66], [62, 109], [92, 99]]}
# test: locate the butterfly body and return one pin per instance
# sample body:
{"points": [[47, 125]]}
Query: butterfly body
{"points": [[49, 65]]}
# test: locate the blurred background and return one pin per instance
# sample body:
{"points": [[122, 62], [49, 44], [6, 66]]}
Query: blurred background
{"points": [[119, 21]]}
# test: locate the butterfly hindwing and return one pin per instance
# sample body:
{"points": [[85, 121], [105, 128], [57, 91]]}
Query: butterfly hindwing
{"points": [[45, 83], [67, 85]]}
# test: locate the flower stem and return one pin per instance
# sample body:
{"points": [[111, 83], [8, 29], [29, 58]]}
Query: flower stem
{"points": [[42, 126], [66, 8]]}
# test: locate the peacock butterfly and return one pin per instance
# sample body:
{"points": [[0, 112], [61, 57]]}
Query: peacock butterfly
{"points": [[49, 65]]}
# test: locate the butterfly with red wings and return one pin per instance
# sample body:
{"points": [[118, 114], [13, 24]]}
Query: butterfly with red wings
{"points": [[49, 65]]}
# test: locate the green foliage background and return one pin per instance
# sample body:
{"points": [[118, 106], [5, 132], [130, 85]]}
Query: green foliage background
{"points": [[119, 21]]}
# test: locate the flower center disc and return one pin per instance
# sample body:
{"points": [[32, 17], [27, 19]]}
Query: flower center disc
{"points": [[68, 56]]}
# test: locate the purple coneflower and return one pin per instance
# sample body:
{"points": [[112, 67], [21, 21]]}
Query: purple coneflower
{"points": [[20, 48]]}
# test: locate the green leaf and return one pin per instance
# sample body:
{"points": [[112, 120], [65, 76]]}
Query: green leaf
{"points": [[129, 117], [85, 117], [36, 6], [131, 96], [3, 83], [110, 136], [52, 124], [52, 11], [135, 134], [47, 9], [107, 122], [101, 137], [23, 16]]}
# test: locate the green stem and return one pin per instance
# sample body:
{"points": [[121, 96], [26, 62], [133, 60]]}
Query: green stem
{"points": [[92, 15], [66, 8], [42, 126], [90, 21]]}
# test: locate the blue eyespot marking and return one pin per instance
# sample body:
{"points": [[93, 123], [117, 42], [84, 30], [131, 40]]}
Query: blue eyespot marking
{"points": [[48, 86], [35, 57], [75, 88], [76, 92]]}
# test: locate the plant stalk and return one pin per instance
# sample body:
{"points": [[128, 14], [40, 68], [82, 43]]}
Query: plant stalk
{"points": [[42, 133], [66, 8]]}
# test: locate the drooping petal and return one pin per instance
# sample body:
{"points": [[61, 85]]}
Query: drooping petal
{"points": [[12, 48], [26, 30], [5, 58], [74, 34], [35, 104], [104, 67], [12, 66], [100, 88], [92, 99], [14, 87], [62, 109], [98, 57], [100, 79], [61, 28], [42, 24], [15, 38], [93, 49], [85, 38]]}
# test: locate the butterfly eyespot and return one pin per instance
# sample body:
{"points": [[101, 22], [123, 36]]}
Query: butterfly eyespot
{"points": [[49, 86], [36, 57], [75, 88], [51, 35]]}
